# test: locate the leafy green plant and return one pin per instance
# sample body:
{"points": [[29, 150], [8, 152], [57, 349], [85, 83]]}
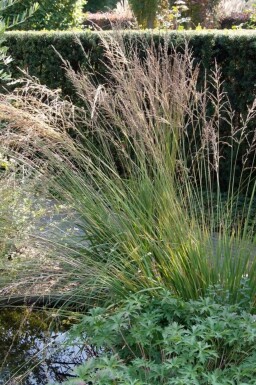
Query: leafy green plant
{"points": [[166, 340], [8, 23], [51, 15], [251, 23], [18, 211]]}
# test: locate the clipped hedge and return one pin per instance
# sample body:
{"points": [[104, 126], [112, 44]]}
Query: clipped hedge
{"points": [[234, 51], [35, 53]]}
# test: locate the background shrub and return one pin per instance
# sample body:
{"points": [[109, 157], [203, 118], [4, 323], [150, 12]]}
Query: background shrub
{"points": [[145, 11], [234, 19], [234, 12], [107, 21], [202, 11], [51, 15], [100, 5]]}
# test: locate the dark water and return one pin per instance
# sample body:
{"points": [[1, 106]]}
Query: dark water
{"points": [[34, 348]]}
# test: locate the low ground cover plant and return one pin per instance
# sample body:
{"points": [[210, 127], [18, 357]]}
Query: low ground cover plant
{"points": [[166, 340]]}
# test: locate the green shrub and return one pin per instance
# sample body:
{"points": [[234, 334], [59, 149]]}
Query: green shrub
{"points": [[202, 12], [168, 341], [145, 11], [51, 15], [8, 23]]}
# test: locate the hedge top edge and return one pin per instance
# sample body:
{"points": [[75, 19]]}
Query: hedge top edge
{"points": [[212, 32]]}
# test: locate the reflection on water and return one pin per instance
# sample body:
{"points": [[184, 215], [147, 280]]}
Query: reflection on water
{"points": [[34, 349]]}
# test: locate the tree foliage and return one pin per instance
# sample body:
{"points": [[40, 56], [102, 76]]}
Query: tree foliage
{"points": [[201, 11], [100, 5], [145, 11], [9, 22], [51, 15]]}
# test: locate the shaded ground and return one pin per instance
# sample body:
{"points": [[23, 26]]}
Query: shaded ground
{"points": [[33, 253]]}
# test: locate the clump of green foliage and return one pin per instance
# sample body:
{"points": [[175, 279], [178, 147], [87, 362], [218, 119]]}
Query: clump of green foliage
{"points": [[5, 23], [199, 12], [165, 340], [51, 15], [251, 23], [4, 59]]}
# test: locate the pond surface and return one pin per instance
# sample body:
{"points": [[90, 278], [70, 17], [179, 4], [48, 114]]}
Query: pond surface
{"points": [[34, 348]]}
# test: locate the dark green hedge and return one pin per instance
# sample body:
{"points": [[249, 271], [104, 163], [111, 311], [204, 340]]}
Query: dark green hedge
{"points": [[34, 52], [234, 51]]}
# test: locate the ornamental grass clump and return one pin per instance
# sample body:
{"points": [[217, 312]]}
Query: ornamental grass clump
{"points": [[140, 162]]}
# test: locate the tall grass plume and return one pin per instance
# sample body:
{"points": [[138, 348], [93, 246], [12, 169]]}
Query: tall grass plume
{"points": [[141, 162]]}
